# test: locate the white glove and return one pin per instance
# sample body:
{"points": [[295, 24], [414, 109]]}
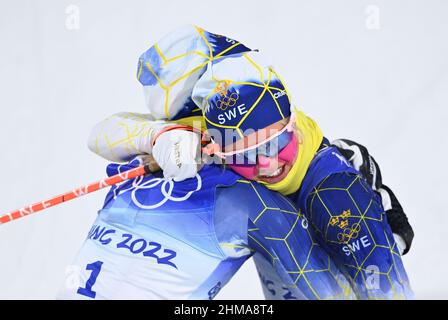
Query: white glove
{"points": [[177, 153]]}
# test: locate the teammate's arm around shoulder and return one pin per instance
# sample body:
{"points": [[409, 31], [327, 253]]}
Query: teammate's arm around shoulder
{"points": [[123, 136]]}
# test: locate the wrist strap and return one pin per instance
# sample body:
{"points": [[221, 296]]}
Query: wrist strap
{"points": [[181, 127]]}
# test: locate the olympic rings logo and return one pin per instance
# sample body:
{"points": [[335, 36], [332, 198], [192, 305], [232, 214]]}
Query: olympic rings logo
{"points": [[349, 233], [166, 188], [227, 101]]}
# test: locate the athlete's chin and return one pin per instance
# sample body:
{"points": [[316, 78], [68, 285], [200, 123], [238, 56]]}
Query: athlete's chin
{"points": [[277, 178]]}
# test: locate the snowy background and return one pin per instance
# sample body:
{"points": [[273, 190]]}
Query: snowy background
{"points": [[375, 71]]}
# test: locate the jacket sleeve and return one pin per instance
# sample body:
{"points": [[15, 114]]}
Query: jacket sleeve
{"points": [[124, 135], [352, 225]]}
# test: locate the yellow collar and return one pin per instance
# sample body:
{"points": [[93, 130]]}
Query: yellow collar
{"points": [[309, 141]]}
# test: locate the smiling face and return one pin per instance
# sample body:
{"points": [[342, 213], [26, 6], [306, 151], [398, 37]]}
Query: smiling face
{"points": [[270, 167]]}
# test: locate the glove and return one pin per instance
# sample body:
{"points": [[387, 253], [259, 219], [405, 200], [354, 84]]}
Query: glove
{"points": [[397, 219], [177, 153], [361, 160]]}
